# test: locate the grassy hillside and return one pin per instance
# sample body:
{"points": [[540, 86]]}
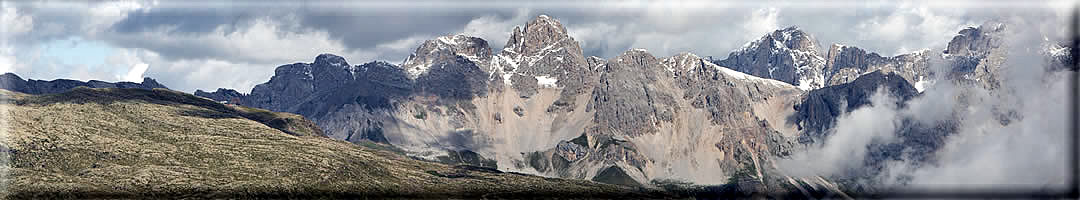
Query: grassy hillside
{"points": [[123, 142]]}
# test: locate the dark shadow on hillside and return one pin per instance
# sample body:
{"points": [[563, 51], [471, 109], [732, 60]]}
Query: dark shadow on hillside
{"points": [[293, 125]]}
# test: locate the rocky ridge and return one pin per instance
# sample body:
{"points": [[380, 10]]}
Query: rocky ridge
{"points": [[540, 106], [14, 83], [846, 63], [542, 93]]}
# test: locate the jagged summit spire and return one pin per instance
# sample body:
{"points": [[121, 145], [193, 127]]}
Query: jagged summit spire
{"points": [[544, 20], [542, 31], [541, 50]]}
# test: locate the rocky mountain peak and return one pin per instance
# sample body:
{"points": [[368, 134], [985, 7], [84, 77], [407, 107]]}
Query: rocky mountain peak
{"points": [[543, 33], [976, 41], [542, 50], [789, 55], [327, 68], [682, 62], [793, 38], [331, 60], [445, 48], [846, 63], [976, 54], [635, 57], [151, 83]]}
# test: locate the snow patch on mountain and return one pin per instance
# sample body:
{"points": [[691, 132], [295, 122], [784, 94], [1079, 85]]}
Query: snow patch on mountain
{"points": [[744, 76], [921, 85], [546, 81], [506, 79]]}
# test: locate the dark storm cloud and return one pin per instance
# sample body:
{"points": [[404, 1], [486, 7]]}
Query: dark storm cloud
{"points": [[366, 31], [355, 26], [199, 21], [272, 33]]}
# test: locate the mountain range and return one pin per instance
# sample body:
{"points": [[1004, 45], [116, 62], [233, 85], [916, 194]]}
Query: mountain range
{"points": [[130, 142], [540, 106]]}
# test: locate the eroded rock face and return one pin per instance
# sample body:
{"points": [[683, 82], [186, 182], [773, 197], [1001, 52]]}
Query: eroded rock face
{"points": [[446, 48], [596, 63], [789, 55], [976, 55], [680, 117], [539, 106], [846, 63], [543, 52], [627, 99], [456, 78], [12, 82], [725, 93], [976, 41]]}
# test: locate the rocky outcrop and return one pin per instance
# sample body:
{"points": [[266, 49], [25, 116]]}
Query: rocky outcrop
{"points": [[222, 95], [596, 63], [12, 82], [789, 55], [976, 55], [628, 99], [846, 63]]}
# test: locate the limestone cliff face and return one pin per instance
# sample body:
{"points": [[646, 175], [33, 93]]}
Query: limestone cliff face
{"points": [[846, 63]]}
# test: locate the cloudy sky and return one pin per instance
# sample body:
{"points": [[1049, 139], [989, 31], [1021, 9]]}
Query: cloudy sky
{"points": [[193, 45]]}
